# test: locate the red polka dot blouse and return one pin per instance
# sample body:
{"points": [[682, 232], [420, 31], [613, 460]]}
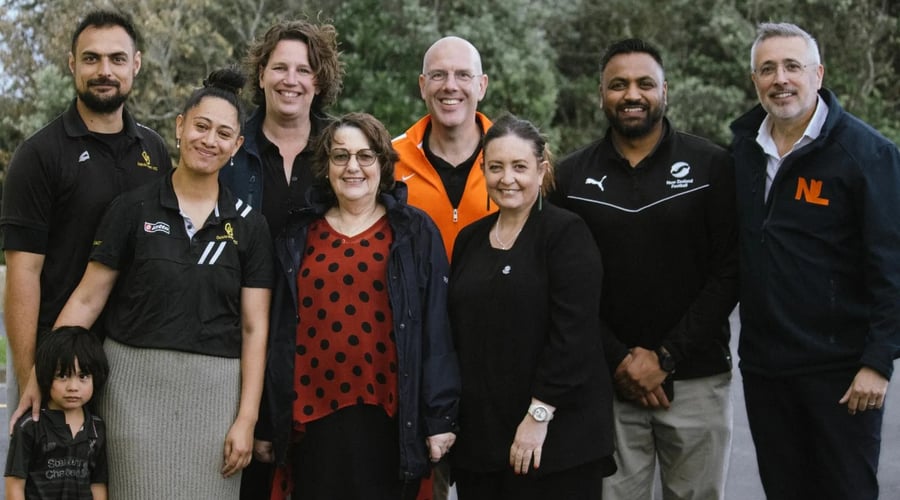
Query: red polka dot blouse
{"points": [[346, 353]]}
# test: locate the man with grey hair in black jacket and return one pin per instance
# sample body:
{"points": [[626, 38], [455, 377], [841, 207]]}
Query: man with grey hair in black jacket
{"points": [[820, 275]]}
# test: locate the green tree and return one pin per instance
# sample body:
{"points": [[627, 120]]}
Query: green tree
{"points": [[516, 54], [48, 97], [706, 49], [541, 56], [382, 45], [384, 42]]}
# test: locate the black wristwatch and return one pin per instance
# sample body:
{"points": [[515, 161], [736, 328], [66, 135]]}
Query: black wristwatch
{"points": [[666, 361]]}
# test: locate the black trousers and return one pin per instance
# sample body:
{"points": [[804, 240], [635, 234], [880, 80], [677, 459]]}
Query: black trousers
{"points": [[807, 445], [584, 482], [352, 454]]}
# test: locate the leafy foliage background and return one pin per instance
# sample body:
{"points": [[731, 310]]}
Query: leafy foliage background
{"points": [[541, 56]]}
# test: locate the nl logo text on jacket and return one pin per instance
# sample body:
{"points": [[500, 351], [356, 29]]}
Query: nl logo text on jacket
{"points": [[810, 191]]}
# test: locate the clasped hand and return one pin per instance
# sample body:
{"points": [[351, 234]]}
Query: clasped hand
{"points": [[639, 379]]}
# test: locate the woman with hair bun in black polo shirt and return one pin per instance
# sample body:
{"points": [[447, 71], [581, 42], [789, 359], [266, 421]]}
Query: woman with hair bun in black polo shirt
{"points": [[187, 269]]}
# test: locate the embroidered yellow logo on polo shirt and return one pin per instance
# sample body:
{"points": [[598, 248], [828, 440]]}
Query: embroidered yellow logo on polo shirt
{"points": [[229, 234], [145, 162]]}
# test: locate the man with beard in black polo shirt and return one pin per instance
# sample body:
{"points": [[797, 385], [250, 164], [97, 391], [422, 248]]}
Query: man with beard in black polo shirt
{"points": [[61, 179], [660, 203]]}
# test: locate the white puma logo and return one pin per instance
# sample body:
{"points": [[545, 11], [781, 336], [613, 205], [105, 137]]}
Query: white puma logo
{"points": [[591, 180]]}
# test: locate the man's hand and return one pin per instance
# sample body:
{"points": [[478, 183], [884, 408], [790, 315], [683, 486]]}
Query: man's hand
{"points": [[639, 378], [29, 399], [655, 399], [620, 381], [866, 392]]}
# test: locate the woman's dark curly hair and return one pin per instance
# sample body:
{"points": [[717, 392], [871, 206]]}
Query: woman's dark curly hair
{"points": [[324, 57]]}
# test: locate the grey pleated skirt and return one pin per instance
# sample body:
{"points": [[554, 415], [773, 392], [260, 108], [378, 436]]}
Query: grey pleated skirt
{"points": [[167, 414]]}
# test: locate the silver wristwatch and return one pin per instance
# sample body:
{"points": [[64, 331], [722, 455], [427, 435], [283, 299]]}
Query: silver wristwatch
{"points": [[540, 413]]}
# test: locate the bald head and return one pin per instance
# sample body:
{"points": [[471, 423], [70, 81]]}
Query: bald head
{"points": [[452, 84], [455, 45]]}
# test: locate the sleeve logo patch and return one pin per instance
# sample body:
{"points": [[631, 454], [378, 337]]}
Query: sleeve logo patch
{"points": [[156, 227]]}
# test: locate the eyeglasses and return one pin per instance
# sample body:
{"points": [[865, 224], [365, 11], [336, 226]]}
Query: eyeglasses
{"points": [[341, 157], [440, 75], [792, 68]]}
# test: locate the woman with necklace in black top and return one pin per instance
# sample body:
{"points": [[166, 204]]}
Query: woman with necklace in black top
{"points": [[536, 407]]}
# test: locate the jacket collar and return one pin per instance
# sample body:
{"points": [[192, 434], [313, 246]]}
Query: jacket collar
{"points": [[252, 129], [748, 124], [320, 199], [416, 133]]}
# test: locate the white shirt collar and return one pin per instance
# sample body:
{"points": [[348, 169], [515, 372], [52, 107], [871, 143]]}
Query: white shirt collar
{"points": [[813, 130], [764, 139]]}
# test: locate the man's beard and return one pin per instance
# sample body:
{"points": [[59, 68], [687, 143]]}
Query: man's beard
{"points": [[640, 129], [102, 105]]}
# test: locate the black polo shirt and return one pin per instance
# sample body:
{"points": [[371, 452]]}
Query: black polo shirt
{"points": [[57, 186], [53, 463], [176, 292], [283, 197]]}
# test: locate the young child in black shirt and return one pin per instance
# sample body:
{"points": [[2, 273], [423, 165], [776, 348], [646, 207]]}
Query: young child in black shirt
{"points": [[63, 453]]}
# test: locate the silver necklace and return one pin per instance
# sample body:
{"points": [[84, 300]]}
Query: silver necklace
{"points": [[358, 227], [504, 245]]}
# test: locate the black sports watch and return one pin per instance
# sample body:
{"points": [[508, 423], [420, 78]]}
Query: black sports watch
{"points": [[666, 361]]}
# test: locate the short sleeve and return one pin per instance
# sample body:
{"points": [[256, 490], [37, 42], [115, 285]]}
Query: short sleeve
{"points": [[257, 258], [27, 202], [99, 471], [21, 447], [113, 240]]}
